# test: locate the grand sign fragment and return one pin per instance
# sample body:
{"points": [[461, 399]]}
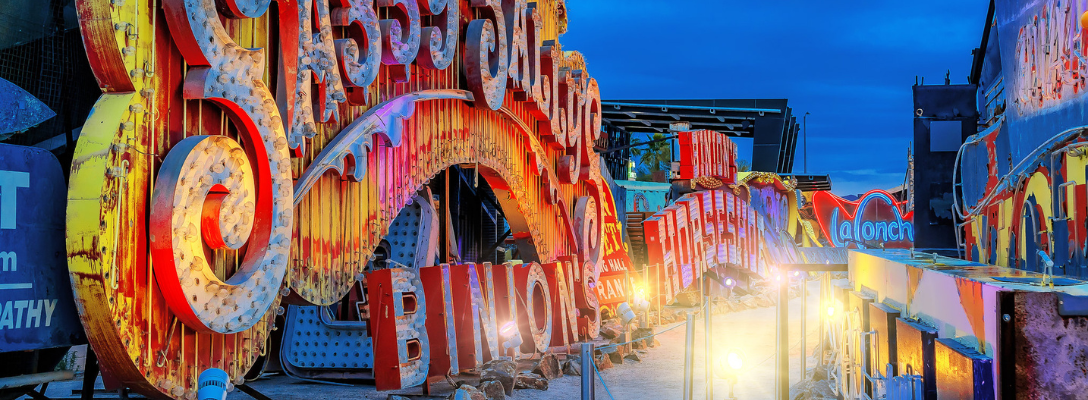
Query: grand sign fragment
{"points": [[249, 151]]}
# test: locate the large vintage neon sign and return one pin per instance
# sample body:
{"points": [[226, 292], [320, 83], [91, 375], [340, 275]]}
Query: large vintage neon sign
{"points": [[1050, 62], [876, 219], [213, 181], [707, 154]]}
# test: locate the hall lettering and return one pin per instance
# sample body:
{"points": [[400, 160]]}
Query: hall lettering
{"points": [[22, 314]]}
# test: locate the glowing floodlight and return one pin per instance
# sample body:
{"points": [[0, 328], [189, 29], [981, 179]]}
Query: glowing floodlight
{"points": [[510, 332], [735, 361], [626, 313], [730, 364], [508, 329], [830, 311]]}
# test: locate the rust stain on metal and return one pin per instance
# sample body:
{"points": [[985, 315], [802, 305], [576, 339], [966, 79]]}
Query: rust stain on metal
{"points": [[970, 294]]}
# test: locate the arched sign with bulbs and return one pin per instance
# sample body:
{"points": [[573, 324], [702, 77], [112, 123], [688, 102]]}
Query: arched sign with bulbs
{"points": [[213, 181]]}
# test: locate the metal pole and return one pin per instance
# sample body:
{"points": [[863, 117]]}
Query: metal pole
{"points": [[444, 206], [644, 322], [659, 298], [630, 293], [825, 302], [709, 358], [589, 387], [804, 334], [689, 354], [783, 348]]}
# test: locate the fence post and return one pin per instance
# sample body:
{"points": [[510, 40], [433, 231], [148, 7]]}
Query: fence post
{"points": [[660, 299], [782, 350], [804, 334], [589, 388], [644, 322], [709, 358], [689, 358]]}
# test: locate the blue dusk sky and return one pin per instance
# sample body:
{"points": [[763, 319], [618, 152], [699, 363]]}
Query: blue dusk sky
{"points": [[850, 63]]}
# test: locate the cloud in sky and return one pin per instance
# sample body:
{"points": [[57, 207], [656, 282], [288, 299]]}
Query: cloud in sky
{"points": [[851, 63]]}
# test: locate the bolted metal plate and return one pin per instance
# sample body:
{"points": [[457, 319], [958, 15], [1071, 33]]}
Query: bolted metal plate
{"points": [[312, 341], [404, 233]]}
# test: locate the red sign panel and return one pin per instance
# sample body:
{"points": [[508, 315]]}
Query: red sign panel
{"points": [[707, 154], [875, 219]]}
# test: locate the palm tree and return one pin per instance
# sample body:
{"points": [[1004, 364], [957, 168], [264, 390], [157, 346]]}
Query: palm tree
{"points": [[652, 157]]}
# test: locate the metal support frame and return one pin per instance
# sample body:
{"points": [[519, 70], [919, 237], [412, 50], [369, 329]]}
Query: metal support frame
{"points": [[589, 387], [782, 349], [708, 317], [90, 373], [804, 333], [782, 364], [38, 394], [689, 358], [625, 147], [825, 287], [252, 392]]}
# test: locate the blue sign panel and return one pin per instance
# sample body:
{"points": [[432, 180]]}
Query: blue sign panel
{"points": [[36, 306], [1043, 61]]}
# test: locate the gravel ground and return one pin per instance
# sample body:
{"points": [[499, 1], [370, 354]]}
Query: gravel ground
{"points": [[659, 376]]}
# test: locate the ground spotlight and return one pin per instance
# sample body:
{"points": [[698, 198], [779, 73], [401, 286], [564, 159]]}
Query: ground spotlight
{"points": [[509, 331], [734, 361], [730, 364], [626, 313], [213, 384], [830, 311]]}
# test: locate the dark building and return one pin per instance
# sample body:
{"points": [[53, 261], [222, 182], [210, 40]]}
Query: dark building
{"points": [[944, 116]]}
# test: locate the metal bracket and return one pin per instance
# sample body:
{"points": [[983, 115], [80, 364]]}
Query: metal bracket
{"points": [[1072, 306]]}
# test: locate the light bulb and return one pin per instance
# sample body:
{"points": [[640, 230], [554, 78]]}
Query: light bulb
{"points": [[734, 360]]}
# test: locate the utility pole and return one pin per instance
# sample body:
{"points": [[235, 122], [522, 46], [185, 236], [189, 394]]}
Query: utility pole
{"points": [[804, 123]]}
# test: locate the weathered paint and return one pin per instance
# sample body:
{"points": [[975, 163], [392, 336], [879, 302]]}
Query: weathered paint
{"points": [[966, 329], [751, 228], [36, 306], [183, 69], [875, 220], [20, 110], [1023, 178], [645, 196], [707, 154]]}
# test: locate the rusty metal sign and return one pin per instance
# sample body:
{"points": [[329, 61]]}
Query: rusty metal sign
{"points": [[36, 307], [247, 151]]}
